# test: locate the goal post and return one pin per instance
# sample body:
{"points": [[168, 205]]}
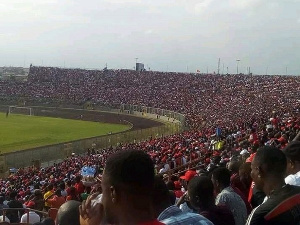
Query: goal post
{"points": [[20, 110]]}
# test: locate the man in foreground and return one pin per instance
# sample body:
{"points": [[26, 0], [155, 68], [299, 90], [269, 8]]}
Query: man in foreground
{"points": [[128, 185], [282, 206]]}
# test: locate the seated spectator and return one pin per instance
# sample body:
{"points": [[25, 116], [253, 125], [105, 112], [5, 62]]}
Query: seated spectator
{"points": [[292, 153], [268, 173], [227, 195], [168, 213], [55, 200], [127, 185], [68, 213], [33, 216], [201, 195]]}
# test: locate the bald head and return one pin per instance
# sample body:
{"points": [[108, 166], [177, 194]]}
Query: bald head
{"points": [[68, 213]]}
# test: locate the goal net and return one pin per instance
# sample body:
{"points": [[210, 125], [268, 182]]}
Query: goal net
{"points": [[20, 110]]}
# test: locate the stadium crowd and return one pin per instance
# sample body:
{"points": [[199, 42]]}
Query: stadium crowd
{"points": [[239, 164], [200, 97]]}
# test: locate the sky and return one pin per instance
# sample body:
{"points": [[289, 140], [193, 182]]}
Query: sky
{"points": [[165, 35]]}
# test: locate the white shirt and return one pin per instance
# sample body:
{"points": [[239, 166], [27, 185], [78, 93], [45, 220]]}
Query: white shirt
{"points": [[162, 170], [33, 218], [5, 219], [167, 167], [293, 179]]}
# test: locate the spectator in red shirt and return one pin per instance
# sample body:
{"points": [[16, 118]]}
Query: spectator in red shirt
{"points": [[79, 185], [55, 200], [72, 194]]}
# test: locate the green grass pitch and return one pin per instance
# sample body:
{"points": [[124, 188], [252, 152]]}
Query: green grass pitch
{"points": [[18, 132]]}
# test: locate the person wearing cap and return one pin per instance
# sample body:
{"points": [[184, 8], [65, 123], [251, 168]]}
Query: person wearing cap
{"points": [[55, 200], [183, 202], [188, 175], [292, 153], [268, 171]]}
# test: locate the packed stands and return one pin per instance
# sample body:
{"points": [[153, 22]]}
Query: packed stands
{"points": [[249, 112]]}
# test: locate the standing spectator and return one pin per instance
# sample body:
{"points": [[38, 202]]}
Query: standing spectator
{"points": [[292, 153], [268, 173], [14, 215], [201, 194], [72, 195], [49, 191], [235, 181], [78, 185], [127, 185], [227, 196], [38, 200], [2, 206]]}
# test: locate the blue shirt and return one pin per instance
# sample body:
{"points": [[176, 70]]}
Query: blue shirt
{"points": [[174, 216]]}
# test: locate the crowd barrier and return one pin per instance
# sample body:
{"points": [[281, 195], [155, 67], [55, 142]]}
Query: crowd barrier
{"points": [[5, 211]]}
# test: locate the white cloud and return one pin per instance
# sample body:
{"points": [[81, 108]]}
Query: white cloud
{"points": [[149, 31], [202, 5], [244, 4], [122, 1], [173, 32]]}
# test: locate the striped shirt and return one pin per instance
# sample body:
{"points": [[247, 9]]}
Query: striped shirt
{"points": [[174, 216]]}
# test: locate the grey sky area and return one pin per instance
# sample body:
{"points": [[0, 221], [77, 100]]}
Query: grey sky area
{"points": [[173, 35]]}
